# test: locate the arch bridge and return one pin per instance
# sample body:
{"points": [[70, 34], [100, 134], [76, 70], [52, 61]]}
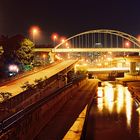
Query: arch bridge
{"points": [[101, 40]]}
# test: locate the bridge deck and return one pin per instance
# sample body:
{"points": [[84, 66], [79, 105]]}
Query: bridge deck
{"points": [[15, 86], [87, 49]]}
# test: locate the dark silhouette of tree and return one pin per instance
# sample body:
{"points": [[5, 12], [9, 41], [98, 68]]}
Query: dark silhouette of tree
{"points": [[17, 50]]}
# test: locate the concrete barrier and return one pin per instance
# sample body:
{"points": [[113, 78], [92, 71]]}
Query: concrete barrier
{"points": [[31, 125]]}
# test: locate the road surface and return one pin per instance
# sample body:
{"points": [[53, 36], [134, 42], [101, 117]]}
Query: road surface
{"points": [[14, 87]]}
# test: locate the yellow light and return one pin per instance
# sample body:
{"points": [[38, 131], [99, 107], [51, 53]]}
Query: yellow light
{"points": [[100, 99], [55, 37], [34, 31], [109, 97], [109, 59], [138, 110], [128, 100], [106, 63], [120, 98], [99, 64], [63, 40], [68, 56], [44, 56], [138, 37]]}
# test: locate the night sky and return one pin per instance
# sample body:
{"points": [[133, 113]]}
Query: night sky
{"points": [[68, 17]]}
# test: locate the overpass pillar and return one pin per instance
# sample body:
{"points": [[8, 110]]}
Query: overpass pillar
{"points": [[133, 68], [51, 57]]}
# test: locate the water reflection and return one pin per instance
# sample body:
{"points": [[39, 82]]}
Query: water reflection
{"points": [[100, 99], [109, 97], [120, 98], [138, 110], [128, 106], [117, 100], [113, 115]]}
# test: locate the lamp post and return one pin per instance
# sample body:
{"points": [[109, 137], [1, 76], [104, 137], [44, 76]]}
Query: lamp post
{"points": [[34, 30], [54, 39], [44, 58]]}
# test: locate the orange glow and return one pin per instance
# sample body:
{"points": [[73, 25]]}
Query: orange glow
{"points": [[54, 36], [67, 44], [34, 29], [44, 56], [62, 39], [138, 37], [34, 33], [127, 44]]}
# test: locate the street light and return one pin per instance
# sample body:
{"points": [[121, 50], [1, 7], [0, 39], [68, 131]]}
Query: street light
{"points": [[127, 44], [62, 40], [54, 38], [34, 30], [67, 45], [44, 58]]}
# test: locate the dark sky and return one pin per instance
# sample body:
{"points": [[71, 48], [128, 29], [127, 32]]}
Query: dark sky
{"points": [[68, 17]]}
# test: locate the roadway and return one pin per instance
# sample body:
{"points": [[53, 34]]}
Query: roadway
{"points": [[105, 49], [113, 115], [107, 70], [14, 87]]}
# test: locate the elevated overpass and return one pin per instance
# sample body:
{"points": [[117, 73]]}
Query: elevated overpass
{"points": [[106, 70], [14, 87], [77, 50]]}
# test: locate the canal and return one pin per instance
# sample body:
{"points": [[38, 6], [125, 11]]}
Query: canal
{"points": [[113, 115]]}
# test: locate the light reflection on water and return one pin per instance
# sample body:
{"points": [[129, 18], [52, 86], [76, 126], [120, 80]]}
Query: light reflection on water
{"points": [[128, 106], [109, 97], [100, 99], [120, 98], [116, 99], [138, 110]]}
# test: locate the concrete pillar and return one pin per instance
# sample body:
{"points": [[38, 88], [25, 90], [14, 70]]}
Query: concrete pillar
{"points": [[132, 67], [51, 55]]}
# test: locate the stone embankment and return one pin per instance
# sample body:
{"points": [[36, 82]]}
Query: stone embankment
{"points": [[134, 88]]}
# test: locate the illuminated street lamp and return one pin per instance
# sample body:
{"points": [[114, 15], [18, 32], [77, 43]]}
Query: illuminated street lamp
{"points": [[63, 39], [127, 44], [44, 57], [67, 45], [34, 30], [54, 38]]}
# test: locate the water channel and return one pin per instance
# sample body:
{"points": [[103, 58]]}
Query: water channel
{"points": [[114, 115]]}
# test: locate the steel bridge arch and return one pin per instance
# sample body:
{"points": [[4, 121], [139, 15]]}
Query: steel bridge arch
{"points": [[124, 35]]}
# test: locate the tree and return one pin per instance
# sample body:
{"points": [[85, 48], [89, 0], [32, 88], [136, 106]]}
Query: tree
{"points": [[17, 50], [25, 53]]}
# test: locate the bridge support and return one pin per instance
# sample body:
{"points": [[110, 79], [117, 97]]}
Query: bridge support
{"points": [[51, 57], [133, 68]]}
